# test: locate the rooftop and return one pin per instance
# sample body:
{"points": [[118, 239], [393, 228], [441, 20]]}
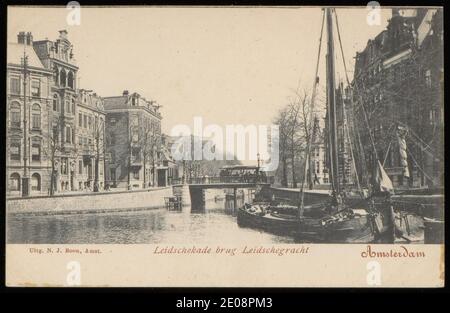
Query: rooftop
{"points": [[15, 54]]}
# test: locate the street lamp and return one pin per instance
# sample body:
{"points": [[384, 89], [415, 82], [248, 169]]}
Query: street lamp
{"points": [[25, 178]]}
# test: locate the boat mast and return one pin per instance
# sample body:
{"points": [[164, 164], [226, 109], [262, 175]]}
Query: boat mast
{"points": [[331, 106], [311, 127]]}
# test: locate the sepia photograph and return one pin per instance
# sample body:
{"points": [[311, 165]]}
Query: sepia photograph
{"points": [[242, 130]]}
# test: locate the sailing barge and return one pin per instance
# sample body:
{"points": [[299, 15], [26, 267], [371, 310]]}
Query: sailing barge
{"points": [[342, 219]]}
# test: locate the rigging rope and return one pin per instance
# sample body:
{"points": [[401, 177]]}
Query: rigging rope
{"points": [[348, 82], [387, 153], [420, 168], [343, 105], [311, 122]]}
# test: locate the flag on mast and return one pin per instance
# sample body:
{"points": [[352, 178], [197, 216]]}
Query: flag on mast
{"points": [[382, 179], [401, 134]]}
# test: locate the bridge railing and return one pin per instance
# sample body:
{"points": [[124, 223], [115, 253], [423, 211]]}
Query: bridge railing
{"points": [[221, 179]]}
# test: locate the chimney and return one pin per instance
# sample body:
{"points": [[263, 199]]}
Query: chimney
{"points": [[125, 93], [63, 34], [21, 38], [29, 39]]}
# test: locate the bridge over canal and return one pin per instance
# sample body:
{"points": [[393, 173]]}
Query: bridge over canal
{"points": [[196, 191]]}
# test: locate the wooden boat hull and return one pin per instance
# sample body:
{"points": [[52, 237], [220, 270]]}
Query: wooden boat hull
{"points": [[267, 222], [358, 229]]}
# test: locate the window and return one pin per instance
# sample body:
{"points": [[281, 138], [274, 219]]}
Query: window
{"points": [[135, 152], [35, 88], [428, 78], [70, 80], [36, 182], [135, 135], [84, 121], [55, 103], [80, 167], [73, 105], [55, 135], [136, 174], [68, 106], [56, 76], [80, 119], [62, 78], [112, 139], [15, 114], [15, 85], [64, 166], [14, 182], [36, 151], [112, 173], [90, 122], [15, 151], [36, 116], [68, 134]]}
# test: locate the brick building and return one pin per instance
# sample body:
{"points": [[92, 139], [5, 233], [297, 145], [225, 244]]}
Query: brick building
{"points": [[399, 79], [36, 109], [133, 128], [91, 144], [62, 148], [58, 57]]}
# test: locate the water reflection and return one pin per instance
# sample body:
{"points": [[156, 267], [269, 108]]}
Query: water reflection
{"points": [[217, 224]]}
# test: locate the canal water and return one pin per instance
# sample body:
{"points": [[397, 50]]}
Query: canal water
{"points": [[216, 224]]}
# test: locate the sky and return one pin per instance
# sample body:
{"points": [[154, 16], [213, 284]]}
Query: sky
{"points": [[226, 65]]}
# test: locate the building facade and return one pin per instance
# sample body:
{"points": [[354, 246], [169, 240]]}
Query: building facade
{"points": [[64, 153], [133, 140], [58, 57], [398, 85], [29, 121], [90, 140], [320, 173]]}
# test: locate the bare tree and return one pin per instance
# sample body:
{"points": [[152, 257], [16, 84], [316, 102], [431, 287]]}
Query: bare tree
{"points": [[282, 120], [54, 148], [150, 142], [99, 149], [294, 134]]}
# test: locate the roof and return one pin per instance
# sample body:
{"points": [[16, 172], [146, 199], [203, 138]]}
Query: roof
{"points": [[15, 55], [115, 102]]}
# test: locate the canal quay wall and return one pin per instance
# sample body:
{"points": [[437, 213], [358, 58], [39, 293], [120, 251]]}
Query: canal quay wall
{"points": [[112, 201]]}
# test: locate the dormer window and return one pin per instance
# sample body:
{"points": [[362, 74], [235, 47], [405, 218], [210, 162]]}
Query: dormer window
{"points": [[133, 101]]}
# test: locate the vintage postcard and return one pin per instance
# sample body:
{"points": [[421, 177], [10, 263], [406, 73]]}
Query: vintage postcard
{"points": [[155, 146]]}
